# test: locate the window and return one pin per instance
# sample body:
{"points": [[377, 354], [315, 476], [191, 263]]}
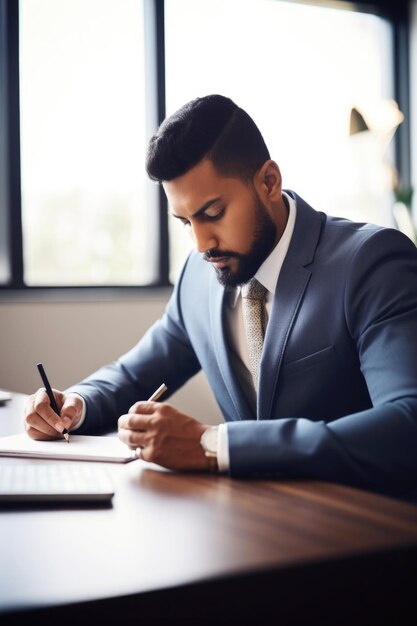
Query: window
{"points": [[5, 253], [84, 84], [82, 112], [298, 70]]}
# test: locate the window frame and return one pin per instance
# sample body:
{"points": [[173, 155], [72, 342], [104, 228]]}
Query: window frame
{"points": [[397, 12]]}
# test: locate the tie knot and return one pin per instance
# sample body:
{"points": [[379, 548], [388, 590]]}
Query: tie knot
{"points": [[254, 290]]}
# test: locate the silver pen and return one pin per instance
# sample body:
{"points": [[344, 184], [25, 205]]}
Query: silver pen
{"points": [[158, 393]]}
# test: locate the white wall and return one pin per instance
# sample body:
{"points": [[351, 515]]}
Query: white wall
{"points": [[74, 337]]}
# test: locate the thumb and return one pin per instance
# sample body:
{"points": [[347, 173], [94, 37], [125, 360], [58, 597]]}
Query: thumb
{"points": [[72, 410], [142, 406]]}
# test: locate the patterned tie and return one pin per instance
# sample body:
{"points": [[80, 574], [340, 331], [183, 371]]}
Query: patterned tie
{"points": [[254, 319]]}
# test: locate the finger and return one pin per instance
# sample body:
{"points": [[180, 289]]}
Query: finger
{"points": [[37, 428], [71, 410], [143, 406], [133, 421], [43, 408], [34, 424], [40, 436], [133, 438]]}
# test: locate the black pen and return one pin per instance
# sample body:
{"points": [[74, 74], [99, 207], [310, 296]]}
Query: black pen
{"points": [[51, 395]]}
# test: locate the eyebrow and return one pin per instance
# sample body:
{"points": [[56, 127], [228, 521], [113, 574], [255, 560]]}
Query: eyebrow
{"points": [[202, 209]]}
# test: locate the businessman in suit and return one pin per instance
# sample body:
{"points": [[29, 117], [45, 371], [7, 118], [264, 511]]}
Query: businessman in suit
{"points": [[315, 374]]}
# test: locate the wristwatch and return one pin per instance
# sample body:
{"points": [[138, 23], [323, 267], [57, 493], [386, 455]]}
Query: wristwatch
{"points": [[208, 442]]}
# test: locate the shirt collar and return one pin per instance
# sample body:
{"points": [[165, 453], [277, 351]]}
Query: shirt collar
{"points": [[268, 272]]}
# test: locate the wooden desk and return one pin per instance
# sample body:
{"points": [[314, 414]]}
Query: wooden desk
{"points": [[202, 549]]}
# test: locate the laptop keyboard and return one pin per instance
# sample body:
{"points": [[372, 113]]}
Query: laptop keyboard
{"points": [[54, 481]]}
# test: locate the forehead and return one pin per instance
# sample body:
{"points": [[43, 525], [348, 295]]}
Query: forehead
{"points": [[188, 193]]}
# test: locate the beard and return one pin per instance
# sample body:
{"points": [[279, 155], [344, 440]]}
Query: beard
{"points": [[264, 238]]}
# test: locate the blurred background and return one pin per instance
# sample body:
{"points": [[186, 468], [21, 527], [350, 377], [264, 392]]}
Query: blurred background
{"points": [[88, 254]]}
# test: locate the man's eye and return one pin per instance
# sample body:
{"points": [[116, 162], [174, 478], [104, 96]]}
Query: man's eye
{"points": [[185, 222], [214, 214]]}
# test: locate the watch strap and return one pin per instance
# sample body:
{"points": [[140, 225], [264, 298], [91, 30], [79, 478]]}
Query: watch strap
{"points": [[211, 458]]}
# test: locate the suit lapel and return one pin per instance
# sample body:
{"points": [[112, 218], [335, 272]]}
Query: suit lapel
{"points": [[292, 283]]}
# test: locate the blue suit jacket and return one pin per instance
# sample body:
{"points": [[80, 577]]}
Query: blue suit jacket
{"points": [[338, 382]]}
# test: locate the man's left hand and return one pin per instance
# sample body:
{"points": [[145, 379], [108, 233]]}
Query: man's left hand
{"points": [[164, 435]]}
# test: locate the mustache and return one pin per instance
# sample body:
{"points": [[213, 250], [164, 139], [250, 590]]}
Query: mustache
{"points": [[215, 253]]}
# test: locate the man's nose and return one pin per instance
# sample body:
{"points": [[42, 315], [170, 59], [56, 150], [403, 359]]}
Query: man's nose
{"points": [[203, 237]]}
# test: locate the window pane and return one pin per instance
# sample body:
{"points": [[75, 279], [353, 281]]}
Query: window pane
{"points": [[297, 70], [85, 216], [4, 200]]}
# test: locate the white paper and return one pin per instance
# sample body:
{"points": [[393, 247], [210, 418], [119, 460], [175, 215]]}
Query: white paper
{"points": [[79, 448]]}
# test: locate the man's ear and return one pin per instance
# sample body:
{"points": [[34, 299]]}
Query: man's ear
{"points": [[268, 181]]}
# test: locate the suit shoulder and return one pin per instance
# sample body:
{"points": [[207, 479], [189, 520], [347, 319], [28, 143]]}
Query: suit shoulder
{"points": [[359, 234], [362, 230]]}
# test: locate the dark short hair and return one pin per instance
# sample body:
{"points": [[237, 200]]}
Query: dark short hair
{"points": [[212, 127]]}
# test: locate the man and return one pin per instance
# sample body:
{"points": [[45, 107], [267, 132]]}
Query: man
{"points": [[330, 392]]}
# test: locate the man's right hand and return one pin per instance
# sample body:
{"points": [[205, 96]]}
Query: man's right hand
{"points": [[41, 422]]}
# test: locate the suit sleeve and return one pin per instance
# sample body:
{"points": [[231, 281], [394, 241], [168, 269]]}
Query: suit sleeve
{"points": [[375, 448], [164, 354]]}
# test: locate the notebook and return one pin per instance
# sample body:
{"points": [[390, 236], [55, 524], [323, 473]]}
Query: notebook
{"points": [[64, 482], [79, 448]]}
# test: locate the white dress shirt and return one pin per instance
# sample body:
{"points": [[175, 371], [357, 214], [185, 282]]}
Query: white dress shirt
{"points": [[267, 275]]}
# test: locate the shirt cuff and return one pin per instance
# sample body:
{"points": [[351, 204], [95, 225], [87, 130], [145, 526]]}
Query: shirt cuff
{"points": [[223, 448]]}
